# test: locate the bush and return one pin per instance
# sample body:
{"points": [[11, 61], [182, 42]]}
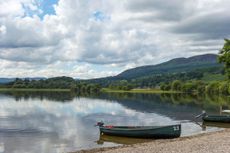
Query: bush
{"points": [[162, 86], [176, 85], [212, 88], [224, 88], [189, 87]]}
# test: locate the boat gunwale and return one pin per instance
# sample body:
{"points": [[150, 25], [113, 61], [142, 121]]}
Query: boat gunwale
{"points": [[138, 128], [219, 116]]}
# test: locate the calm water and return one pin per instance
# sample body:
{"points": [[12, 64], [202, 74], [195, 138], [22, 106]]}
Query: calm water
{"points": [[64, 122]]}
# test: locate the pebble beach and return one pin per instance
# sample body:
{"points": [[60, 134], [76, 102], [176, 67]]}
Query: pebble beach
{"points": [[215, 142]]}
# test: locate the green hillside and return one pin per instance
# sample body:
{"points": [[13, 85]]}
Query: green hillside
{"points": [[177, 65], [201, 67]]}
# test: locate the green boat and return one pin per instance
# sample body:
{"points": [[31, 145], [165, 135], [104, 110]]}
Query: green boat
{"points": [[217, 118], [214, 118], [157, 132], [216, 124]]}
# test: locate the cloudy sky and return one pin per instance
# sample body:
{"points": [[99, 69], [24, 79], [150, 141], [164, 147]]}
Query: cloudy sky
{"points": [[96, 38]]}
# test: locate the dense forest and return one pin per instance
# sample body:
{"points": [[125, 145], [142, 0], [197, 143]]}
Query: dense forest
{"points": [[53, 83], [215, 87]]}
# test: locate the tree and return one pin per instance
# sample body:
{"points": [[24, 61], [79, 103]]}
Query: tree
{"points": [[162, 86], [223, 87], [200, 86], [167, 87], [189, 87], [224, 57], [176, 85], [212, 88]]}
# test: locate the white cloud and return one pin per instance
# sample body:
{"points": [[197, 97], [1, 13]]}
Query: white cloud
{"points": [[2, 30], [127, 34]]}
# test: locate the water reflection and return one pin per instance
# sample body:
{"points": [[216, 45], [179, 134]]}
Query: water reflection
{"points": [[119, 140], [60, 122], [53, 96]]}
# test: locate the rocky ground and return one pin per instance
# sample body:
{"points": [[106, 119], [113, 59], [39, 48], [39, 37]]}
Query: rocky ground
{"points": [[216, 142]]}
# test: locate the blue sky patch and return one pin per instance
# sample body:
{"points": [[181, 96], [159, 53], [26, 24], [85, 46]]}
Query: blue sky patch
{"points": [[100, 16], [47, 6], [44, 7]]}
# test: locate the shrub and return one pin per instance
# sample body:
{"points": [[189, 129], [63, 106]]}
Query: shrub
{"points": [[212, 88], [224, 87], [176, 85]]}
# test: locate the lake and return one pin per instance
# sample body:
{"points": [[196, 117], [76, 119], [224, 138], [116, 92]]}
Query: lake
{"points": [[56, 122]]}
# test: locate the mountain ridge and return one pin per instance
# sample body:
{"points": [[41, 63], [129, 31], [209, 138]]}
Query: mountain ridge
{"points": [[206, 62], [172, 66]]}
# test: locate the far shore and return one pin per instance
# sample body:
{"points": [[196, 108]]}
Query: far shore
{"points": [[34, 90], [156, 91], [106, 90], [214, 142]]}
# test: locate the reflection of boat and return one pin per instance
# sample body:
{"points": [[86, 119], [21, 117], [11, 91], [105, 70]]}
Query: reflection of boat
{"points": [[2, 147], [119, 140], [170, 131], [216, 124]]}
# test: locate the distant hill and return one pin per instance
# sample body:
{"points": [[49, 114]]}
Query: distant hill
{"points": [[201, 67], [7, 80], [173, 66]]}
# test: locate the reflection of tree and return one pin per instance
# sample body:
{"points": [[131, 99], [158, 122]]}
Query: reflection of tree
{"points": [[218, 100], [52, 96], [210, 102], [207, 101], [177, 98]]}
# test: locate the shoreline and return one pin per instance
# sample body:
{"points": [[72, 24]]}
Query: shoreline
{"points": [[153, 91], [103, 90], [214, 142], [34, 90]]}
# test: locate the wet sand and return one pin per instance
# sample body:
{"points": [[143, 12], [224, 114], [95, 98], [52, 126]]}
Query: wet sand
{"points": [[215, 142]]}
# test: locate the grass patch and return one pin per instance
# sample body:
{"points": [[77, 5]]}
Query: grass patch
{"points": [[138, 91], [34, 90]]}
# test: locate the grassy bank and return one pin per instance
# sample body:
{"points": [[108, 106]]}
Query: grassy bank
{"points": [[34, 90], [138, 91]]}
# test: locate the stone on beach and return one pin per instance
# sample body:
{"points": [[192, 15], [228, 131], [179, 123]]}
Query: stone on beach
{"points": [[216, 142]]}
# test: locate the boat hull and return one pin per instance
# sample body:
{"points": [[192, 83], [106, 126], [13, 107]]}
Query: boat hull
{"points": [[216, 124], [172, 131], [217, 118]]}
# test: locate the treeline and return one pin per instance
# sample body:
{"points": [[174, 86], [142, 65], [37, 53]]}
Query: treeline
{"points": [[121, 85], [154, 80], [54, 83], [216, 87], [158, 80]]}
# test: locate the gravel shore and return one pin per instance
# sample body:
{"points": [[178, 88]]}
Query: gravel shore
{"points": [[216, 142]]}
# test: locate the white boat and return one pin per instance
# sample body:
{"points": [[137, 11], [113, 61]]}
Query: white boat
{"points": [[225, 111]]}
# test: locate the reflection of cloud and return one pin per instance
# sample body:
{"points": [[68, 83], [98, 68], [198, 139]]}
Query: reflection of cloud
{"points": [[67, 126], [80, 107]]}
